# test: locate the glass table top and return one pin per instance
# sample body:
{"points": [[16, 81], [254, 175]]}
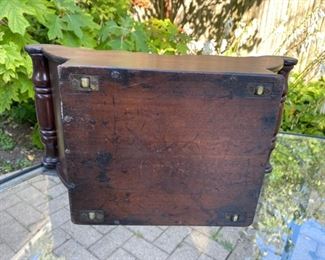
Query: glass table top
{"points": [[289, 223]]}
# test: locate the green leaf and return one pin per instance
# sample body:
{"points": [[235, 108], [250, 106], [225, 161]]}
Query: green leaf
{"points": [[110, 28], [116, 44], [55, 27], [26, 86], [140, 39], [40, 9], [14, 11], [36, 137], [70, 39], [8, 94], [67, 5], [74, 24]]}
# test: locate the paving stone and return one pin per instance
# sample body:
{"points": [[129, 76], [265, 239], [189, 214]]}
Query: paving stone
{"points": [[244, 250], [206, 245], [149, 233], [9, 201], [209, 231], [110, 242], [55, 204], [121, 254], [184, 251], [29, 193], [85, 235], [103, 228], [6, 252], [169, 240], [36, 202], [14, 234], [120, 234], [59, 217], [58, 237], [204, 257], [18, 187], [44, 185], [104, 247], [25, 214], [71, 250], [228, 237], [4, 194], [4, 218], [163, 227], [56, 191], [143, 249], [44, 208], [53, 178], [33, 196]]}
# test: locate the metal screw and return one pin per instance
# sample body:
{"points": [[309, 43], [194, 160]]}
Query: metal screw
{"points": [[234, 218], [91, 215], [85, 82], [84, 216], [67, 119], [259, 90], [115, 74], [100, 216]]}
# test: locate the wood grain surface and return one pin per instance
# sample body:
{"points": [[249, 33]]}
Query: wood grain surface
{"points": [[175, 145]]}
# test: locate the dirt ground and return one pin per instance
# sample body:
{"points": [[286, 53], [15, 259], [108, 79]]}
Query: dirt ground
{"points": [[16, 148]]}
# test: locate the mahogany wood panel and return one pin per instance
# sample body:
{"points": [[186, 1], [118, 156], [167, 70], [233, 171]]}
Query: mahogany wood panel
{"points": [[164, 140]]}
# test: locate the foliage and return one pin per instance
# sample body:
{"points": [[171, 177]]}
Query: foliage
{"points": [[165, 37], [88, 23], [294, 190], [105, 10], [305, 108], [23, 113], [108, 25], [9, 166], [155, 36], [6, 141], [36, 138]]}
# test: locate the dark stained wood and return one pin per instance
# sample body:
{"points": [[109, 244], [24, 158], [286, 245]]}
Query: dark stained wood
{"points": [[156, 140], [153, 62], [44, 105]]}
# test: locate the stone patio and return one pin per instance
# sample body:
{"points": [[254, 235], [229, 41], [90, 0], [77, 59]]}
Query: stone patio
{"points": [[35, 223]]}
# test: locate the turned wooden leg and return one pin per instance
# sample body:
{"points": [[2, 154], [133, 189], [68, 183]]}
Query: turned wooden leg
{"points": [[44, 105], [288, 65]]}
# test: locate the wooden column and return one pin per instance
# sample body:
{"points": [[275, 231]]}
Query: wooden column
{"points": [[288, 65], [44, 105]]}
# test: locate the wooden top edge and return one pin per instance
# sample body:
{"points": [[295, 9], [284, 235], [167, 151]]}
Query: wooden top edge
{"points": [[82, 57]]}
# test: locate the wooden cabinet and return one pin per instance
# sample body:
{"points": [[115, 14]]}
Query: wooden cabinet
{"points": [[159, 140]]}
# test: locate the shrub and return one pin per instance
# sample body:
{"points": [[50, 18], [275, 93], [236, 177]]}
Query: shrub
{"points": [[108, 25], [88, 23], [305, 107]]}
